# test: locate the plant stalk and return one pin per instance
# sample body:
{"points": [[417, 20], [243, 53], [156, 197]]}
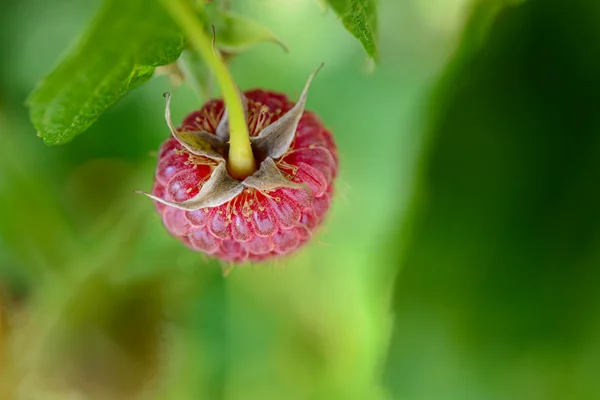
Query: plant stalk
{"points": [[241, 162]]}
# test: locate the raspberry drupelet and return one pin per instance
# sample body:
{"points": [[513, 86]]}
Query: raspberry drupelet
{"points": [[268, 214]]}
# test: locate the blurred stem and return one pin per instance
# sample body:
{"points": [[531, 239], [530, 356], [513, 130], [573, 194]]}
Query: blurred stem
{"points": [[241, 161]]}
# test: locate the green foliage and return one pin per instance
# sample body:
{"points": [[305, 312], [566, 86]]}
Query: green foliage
{"points": [[120, 51], [498, 289], [360, 18], [235, 33], [498, 292], [128, 40]]}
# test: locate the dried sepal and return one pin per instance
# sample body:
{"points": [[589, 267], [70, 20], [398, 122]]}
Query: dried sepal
{"points": [[203, 144], [219, 189], [269, 177], [275, 139], [199, 143], [272, 143]]}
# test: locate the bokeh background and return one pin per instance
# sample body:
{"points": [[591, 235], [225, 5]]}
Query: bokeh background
{"points": [[460, 260]]}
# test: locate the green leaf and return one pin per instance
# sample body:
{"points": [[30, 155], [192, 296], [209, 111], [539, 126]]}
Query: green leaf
{"points": [[499, 261], [360, 18], [235, 33], [120, 51]]}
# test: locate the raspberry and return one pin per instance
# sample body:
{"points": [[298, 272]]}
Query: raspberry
{"points": [[268, 214]]}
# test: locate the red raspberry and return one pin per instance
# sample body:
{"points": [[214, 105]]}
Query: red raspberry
{"points": [[270, 213]]}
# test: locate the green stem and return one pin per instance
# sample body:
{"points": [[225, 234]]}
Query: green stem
{"points": [[240, 162]]}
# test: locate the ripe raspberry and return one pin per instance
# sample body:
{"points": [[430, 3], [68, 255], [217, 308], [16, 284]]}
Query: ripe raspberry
{"points": [[271, 212]]}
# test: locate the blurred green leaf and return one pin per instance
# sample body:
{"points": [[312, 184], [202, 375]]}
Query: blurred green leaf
{"points": [[235, 33], [196, 74], [120, 51], [497, 296], [27, 236], [360, 18]]}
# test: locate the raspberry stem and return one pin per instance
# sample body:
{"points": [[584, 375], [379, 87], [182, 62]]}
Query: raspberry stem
{"points": [[240, 162]]}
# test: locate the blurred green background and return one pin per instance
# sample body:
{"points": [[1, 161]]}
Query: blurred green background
{"points": [[460, 260]]}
